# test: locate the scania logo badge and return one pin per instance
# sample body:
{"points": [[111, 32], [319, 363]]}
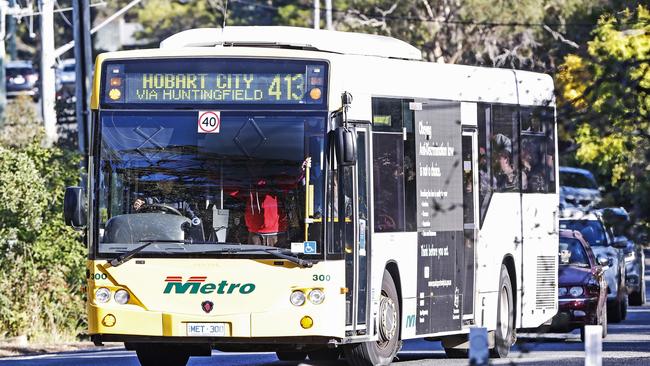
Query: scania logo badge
{"points": [[207, 306]]}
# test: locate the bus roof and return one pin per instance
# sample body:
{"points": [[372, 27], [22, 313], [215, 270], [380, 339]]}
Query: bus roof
{"points": [[293, 37]]}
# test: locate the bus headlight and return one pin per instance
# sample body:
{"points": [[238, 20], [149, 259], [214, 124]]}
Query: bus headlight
{"points": [[122, 296], [297, 298], [576, 291], [316, 296], [102, 295]]}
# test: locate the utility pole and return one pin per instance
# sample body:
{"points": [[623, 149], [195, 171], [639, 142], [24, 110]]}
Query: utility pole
{"points": [[48, 62], [83, 69], [316, 14], [11, 25], [328, 14], [3, 88]]}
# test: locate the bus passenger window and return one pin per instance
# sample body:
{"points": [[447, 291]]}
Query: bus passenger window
{"points": [[388, 173], [537, 148], [486, 180], [504, 148]]}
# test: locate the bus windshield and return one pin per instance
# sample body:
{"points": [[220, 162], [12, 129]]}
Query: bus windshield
{"points": [[250, 178]]}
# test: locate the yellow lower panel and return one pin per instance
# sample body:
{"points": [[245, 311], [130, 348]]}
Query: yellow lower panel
{"points": [[287, 324], [127, 321]]}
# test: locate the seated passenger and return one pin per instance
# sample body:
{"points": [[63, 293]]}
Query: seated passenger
{"points": [[505, 174]]}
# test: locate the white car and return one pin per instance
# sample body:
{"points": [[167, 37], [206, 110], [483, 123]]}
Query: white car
{"points": [[578, 189]]}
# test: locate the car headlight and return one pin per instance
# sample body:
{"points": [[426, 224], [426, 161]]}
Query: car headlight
{"points": [[297, 298], [122, 296], [576, 291], [102, 295], [316, 296], [561, 291]]}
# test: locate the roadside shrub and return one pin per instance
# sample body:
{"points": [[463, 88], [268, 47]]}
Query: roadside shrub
{"points": [[41, 259]]}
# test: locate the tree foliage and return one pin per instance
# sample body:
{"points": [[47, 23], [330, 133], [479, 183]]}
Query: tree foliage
{"points": [[41, 259], [528, 34], [604, 97]]}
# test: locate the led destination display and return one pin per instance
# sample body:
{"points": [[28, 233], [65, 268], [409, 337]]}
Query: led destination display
{"points": [[261, 83]]}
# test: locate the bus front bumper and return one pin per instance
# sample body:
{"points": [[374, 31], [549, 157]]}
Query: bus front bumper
{"points": [[123, 323]]}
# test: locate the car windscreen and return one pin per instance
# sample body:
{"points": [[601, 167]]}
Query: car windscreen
{"points": [[592, 230], [15, 71], [577, 180], [571, 252]]}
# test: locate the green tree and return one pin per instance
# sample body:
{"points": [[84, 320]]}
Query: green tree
{"points": [[603, 94]]}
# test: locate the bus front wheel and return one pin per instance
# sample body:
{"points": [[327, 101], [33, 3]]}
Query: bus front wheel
{"points": [[383, 350], [503, 334], [161, 355], [291, 355]]}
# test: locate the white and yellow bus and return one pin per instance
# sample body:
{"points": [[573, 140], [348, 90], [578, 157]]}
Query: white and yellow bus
{"points": [[222, 161]]}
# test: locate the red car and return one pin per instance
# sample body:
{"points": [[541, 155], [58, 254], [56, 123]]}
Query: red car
{"points": [[582, 289]]}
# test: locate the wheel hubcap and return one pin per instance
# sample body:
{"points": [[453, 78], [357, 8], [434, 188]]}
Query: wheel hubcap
{"points": [[387, 319], [504, 312]]}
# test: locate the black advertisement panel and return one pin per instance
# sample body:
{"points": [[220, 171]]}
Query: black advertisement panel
{"points": [[440, 215], [439, 169], [439, 300]]}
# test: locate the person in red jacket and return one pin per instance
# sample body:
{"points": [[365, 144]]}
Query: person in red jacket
{"points": [[266, 215]]}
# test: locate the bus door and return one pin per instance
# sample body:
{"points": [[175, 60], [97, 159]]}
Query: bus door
{"points": [[465, 259], [357, 238]]}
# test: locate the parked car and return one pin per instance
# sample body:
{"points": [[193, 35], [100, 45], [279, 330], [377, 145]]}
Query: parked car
{"points": [[595, 232], [578, 189], [582, 289], [619, 220], [66, 74], [21, 79]]}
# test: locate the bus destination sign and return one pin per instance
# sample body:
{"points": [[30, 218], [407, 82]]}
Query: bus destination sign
{"points": [[215, 87]]}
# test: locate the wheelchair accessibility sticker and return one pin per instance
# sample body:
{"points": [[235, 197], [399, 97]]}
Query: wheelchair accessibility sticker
{"points": [[310, 247]]}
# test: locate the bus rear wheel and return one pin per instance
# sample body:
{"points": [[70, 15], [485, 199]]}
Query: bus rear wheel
{"points": [[382, 351], [503, 334], [161, 355]]}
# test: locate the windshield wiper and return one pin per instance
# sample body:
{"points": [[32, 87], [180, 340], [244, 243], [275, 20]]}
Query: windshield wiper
{"points": [[277, 252], [125, 257]]}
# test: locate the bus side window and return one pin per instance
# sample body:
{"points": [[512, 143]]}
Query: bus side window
{"points": [[388, 164], [505, 128], [537, 149], [486, 180], [548, 118]]}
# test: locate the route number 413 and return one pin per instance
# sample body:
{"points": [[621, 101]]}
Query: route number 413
{"points": [[209, 122]]}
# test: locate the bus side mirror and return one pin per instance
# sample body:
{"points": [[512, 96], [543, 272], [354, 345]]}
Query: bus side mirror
{"points": [[74, 207], [345, 142]]}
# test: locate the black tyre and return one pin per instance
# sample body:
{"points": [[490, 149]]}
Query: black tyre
{"points": [[161, 355], [383, 351], [636, 298], [325, 354], [624, 307], [456, 353], [504, 333], [291, 355], [614, 311]]}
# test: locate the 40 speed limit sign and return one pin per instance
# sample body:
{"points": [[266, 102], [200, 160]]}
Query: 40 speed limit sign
{"points": [[209, 122]]}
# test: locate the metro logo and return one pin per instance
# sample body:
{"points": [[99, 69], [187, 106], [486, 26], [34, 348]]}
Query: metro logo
{"points": [[195, 285]]}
